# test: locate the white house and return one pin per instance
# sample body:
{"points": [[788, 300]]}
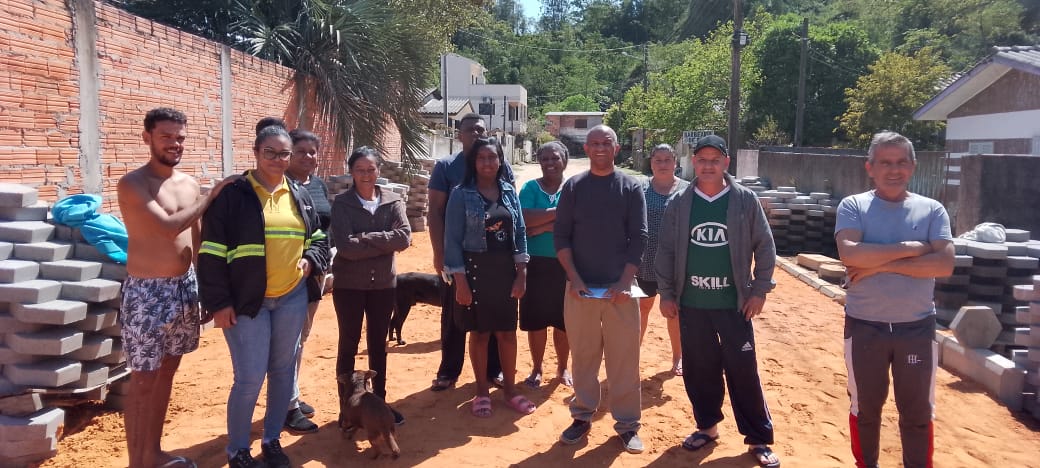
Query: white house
{"points": [[504, 106], [994, 108]]}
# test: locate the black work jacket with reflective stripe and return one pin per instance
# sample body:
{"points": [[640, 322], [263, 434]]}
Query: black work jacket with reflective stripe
{"points": [[230, 270]]}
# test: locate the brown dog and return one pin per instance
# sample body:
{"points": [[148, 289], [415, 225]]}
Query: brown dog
{"points": [[363, 409]]}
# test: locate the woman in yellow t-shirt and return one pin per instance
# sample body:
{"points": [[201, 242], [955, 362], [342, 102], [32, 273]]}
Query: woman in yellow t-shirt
{"points": [[260, 240]]}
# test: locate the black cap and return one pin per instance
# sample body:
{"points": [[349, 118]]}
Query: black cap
{"points": [[713, 141]]}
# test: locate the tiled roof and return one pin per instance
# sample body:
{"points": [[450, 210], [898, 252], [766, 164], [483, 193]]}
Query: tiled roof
{"points": [[1025, 58], [961, 87], [436, 106]]}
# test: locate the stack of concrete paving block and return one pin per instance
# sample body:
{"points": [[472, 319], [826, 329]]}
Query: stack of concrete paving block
{"points": [[29, 432], [951, 292], [827, 268], [774, 202], [755, 183], [410, 180], [987, 274], [58, 332], [416, 175], [338, 184], [801, 222], [419, 202], [58, 306], [965, 353], [1030, 338]]}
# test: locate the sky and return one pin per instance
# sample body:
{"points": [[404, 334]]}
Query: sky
{"points": [[531, 7]]}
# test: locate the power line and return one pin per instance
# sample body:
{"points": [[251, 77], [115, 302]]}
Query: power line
{"points": [[551, 49], [819, 57]]}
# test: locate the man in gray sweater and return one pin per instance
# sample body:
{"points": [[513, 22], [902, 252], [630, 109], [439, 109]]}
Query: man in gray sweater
{"points": [[599, 234], [709, 236]]}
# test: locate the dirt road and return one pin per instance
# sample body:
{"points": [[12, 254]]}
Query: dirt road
{"points": [[800, 352]]}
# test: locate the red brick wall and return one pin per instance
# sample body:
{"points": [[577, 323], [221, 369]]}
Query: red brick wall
{"points": [[39, 97], [141, 65]]}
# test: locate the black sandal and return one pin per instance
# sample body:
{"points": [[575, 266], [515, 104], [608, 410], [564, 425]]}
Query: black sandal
{"points": [[441, 384], [762, 454], [697, 441]]}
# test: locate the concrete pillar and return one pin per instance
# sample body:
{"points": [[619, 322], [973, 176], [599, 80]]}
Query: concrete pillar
{"points": [[84, 34], [227, 144]]}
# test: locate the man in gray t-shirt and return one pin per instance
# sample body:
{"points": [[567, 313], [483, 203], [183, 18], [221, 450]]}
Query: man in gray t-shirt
{"points": [[894, 244]]}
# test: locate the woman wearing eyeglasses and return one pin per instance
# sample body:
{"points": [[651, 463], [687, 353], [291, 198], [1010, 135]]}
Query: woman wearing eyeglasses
{"points": [[260, 240]]}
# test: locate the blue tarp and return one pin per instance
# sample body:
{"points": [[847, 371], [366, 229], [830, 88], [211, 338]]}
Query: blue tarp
{"points": [[104, 231]]}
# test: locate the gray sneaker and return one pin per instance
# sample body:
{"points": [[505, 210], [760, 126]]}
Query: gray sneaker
{"points": [[575, 432], [630, 440]]}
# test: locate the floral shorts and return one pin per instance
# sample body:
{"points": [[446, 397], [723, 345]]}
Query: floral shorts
{"points": [[159, 318]]}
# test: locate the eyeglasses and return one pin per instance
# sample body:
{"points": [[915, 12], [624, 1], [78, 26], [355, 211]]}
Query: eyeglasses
{"points": [[270, 154]]}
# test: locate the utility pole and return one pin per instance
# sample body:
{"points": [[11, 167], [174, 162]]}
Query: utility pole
{"points": [[444, 91], [646, 85], [799, 116], [734, 84]]}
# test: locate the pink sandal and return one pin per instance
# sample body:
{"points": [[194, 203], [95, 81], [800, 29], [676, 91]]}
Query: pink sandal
{"points": [[522, 405], [481, 407]]}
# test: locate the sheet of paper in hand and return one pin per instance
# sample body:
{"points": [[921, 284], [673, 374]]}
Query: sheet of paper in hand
{"points": [[601, 293]]}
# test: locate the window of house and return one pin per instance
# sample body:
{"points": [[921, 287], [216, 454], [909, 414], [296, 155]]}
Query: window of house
{"points": [[581, 123], [514, 113], [980, 147]]}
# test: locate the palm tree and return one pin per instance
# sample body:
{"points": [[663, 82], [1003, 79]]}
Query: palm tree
{"points": [[360, 66]]}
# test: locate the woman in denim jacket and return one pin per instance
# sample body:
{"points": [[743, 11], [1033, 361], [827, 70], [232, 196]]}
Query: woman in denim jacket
{"points": [[485, 251]]}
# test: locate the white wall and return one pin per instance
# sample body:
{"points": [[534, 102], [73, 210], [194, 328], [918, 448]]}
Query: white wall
{"points": [[1022, 124], [461, 74]]}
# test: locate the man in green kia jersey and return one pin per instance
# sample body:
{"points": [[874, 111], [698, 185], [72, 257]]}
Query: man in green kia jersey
{"points": [[709, 236]]}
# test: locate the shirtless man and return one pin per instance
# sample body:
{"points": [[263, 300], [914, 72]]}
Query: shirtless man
{"points": [[160, 312]]}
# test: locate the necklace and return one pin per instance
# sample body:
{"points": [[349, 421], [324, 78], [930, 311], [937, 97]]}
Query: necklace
{"points": [[553, 197]]}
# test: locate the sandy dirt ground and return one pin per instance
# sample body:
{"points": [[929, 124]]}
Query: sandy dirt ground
{"points": [[800, 357]]}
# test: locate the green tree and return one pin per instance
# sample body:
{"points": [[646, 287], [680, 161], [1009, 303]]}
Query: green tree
{"points": [[886, 98], [971, 26], [838, 53], [367, 62], [511, 13], [555, 15], [692, 95], [576, 103], [552, 65]]}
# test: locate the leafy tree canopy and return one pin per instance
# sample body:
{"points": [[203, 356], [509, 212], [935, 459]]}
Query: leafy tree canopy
{"points": [[693, 95], [576, 103], [886, 97], [838, 53]]}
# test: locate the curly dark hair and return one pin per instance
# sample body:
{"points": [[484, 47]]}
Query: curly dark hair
{"points": [[269, 121], [163, 113]]}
